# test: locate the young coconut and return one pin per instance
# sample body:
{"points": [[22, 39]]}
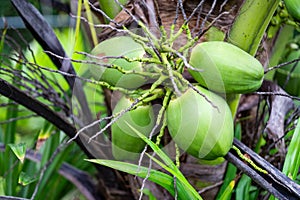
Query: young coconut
{"points": [[293, 7], [199, 128], [126, 144], [226, 68], [117, 47]]}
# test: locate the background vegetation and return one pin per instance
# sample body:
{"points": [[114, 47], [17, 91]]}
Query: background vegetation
{"points": [[49, 98]]}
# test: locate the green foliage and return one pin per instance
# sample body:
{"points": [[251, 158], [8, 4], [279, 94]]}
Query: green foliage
{"points": [[183, 188], [292, 161], [162, 66], [19, 150], [19, 175]]}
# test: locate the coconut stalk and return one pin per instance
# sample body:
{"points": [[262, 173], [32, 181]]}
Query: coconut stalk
{"points": [[248, 29]]}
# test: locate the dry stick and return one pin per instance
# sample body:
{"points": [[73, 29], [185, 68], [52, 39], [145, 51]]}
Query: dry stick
{"points": [[253, 175], [141, 60], [36, 73], [282, 182], [16, 72], [171, 76], [84, 61], [99, 57], [14, 45], [102, 83], [187, 65], [196, 90], [44, 34]]}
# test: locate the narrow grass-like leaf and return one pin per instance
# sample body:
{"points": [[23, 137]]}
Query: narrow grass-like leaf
{"points": [[43, 135], [170, 166], [12, 168], [156, 149], [292, 160], [225, 190], [160, 178], [2, 41], [12, 112], [148, 193], [47, 151], [179, 177], [243, 188], [25, 179], [19, 150], [226, 195], [2, 182], [231, 169], [91, 22]]}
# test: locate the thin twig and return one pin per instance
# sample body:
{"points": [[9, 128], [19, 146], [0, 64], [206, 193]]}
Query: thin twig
{"points": [[206, 17], [195, 10], [282, 65], [115, 118], [182, 10], [217, 184], [88, 126], [99, 25], [277, 93]]}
